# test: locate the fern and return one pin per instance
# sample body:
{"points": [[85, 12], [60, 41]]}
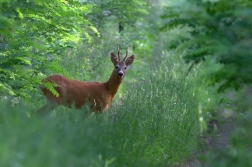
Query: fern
{"points": [[51, 86]]}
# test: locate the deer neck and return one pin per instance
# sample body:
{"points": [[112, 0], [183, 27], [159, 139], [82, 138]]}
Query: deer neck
{"points": [[113, 83]]}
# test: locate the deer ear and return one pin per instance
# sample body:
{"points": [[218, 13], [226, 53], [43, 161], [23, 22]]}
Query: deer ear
{"points": [[114, 58], [129, 60]]}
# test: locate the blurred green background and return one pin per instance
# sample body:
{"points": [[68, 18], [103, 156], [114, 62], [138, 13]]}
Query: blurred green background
{"points": [[185, 101]]}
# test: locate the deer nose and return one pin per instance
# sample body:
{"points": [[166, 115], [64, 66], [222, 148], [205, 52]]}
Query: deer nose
{"points": [[120, 74]]}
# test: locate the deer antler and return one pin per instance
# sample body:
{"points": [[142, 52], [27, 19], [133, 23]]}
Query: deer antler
{"points": [[118, 52], [126, 54]]}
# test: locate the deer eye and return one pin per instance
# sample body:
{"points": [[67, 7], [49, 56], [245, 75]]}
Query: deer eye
{"points": [[116, 67], [125, 68]]}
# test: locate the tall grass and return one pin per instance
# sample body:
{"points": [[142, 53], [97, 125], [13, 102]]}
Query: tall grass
{"points": [[154, 123]]}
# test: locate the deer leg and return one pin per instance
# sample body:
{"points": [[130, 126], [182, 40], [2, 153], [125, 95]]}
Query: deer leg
{"points": [[48, 107]]}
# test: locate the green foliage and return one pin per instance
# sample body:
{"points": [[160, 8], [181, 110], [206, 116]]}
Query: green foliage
{"points": [[125, 12], [34, 33], [51, 87], [220, 30]]}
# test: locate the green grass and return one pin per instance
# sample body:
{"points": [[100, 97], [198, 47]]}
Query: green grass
{"points": [[154, 123]]}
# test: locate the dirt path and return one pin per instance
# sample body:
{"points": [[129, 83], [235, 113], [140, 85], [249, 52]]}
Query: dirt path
{"points": [[214, 141]]}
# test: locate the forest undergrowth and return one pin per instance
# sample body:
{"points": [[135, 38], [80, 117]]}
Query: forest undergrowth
{"points": [[155, 122], [165, 105]]}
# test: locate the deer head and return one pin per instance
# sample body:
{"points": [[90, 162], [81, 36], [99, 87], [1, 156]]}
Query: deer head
{"points": [[121, 65]]}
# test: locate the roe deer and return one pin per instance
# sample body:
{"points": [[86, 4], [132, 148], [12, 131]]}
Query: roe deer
{"points": [[73, 93]]}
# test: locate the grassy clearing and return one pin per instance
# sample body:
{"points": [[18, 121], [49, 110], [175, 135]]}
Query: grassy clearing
{"points": [[154, 123]]}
